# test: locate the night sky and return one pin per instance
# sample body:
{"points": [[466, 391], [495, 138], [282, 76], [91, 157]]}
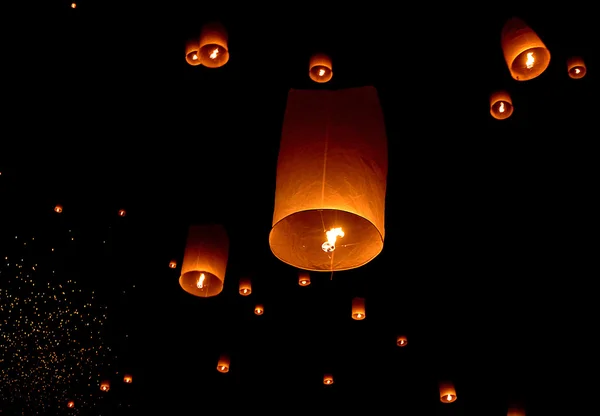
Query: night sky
{"points": [[489, 224]]}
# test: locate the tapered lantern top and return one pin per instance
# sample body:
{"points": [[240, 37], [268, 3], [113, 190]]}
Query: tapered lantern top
{"points": [[212, 47], [331, 180], [525, 53], [205, 260]]}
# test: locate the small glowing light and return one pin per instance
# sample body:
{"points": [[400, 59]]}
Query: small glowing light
{"points": [[200, 284], [73, 6], [501, 109], [449, 397], [321, 72], [577, 71], [194, 57], [214, 54], [530, 60], [332, 235]]}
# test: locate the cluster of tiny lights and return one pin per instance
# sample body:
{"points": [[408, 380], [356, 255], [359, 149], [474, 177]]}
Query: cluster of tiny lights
{"points": [[52, 353]]}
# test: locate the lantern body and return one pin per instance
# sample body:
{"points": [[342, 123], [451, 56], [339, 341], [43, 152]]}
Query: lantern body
{"points": [[70, 404], [245, 286], [358, 309], [331, 176], [303, 278], [501, 106], [576, 67], [212, 48], [447, 392], [122, 213], [223, 364], [192, 56], [172, 264], [205, 260], [127, 379], [515, 412], [259, 309], [401, 341], [328, 379], [320, 69], [105, 386], [524, 52], [58, 209]]}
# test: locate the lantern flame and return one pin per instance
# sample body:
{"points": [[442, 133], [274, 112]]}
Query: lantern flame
{"points": [[200, 283], [577, 70], [194, 57], [245, 290], [501, 109], [214, 54], [530, 60], [321, 72], [449, 397], [332, 235]]}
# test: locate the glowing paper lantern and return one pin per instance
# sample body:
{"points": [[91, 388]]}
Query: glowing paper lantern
{"points": [[245, 286], [172, 264], [447, 392], [70, 404], [358, 309], [515, 412], [320, 68], [192, 55], [105, 386], [576, 67], [501, 105], [331, 180], [259, 309], [122, 213], [328, 379], [223, 364], [212, 48], [525, 54], [58, 209], [205, 260], [127, 379], [303, 278], [401, 341]]}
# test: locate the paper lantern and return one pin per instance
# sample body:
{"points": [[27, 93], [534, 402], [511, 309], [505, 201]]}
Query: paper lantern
{"points": [[127, 379], [358, 309], [212, 47], [576, 67], [303, 278], [192, 55], [259, 309], [73, 5], [122, 213], [525, 54], [245, 286], [515, 412], [501, 105], [223, 364], [320, 68], [401, 341], [70, 404], [331, 180], [328, 379], [58, 209], [447, 392], [105, 386], [205, 260], [172, 264]]}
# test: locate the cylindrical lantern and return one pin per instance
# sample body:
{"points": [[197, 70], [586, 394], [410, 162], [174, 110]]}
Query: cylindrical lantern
{"points": [[58, 209], [320, 69], [358, 309], [70, 404], [192, 56], [501, 105], [328, 379], [172, 264], [127, 379], [525, 54], [205, 260], [576, 67], [447, 392], [122, 213], [331, 180], [212, 47], [259, 309], [515, 412], [245, 286], [401, 341], [303, 278], [223, 363], [105, 386]]}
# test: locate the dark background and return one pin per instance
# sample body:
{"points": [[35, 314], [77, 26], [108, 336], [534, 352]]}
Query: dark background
{"points": [[488, 223]]}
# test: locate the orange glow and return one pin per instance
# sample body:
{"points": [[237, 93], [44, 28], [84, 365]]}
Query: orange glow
{"points": [[524, 52], [172, 264], [515, 412], [73, 5], [358, 309], [212, 47], [259, 309], [328, 379], [447, 392], [105, 386], [223, 364], [58, 209], [192, 56], [320, 69], [401, 341], [122, 213], [70, 404], [245, 286], [303, 278], [501, 106], [127, 379], [576, 67]]}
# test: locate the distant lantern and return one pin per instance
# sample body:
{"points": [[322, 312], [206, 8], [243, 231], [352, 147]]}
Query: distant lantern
{"points": [[525, 54], [576, 67], [223, 364], [212, 47], [192, 55], [122, 213], [401, 341], [515, 412], [320, 68], [205, 260], [501, 105], [328, 379], [105, 386], [259, 309], [73, 5], [127, 379], [58, 209], [70, 404], [358, 309], [447, 392], [331, 180], [245, 286], [172, 264], [303, 278]]}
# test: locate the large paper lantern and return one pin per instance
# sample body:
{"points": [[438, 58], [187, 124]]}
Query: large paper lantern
{"points": [[320, 68], [331, 180], [501, 105], [447, 392], [212, 47], [515, 412], [358, 309], [192, 55], [205, 260], [576, 67], [525, 54]]}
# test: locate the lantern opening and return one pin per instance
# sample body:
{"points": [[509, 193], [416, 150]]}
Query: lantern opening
{"points": [[524, 52], [199, 283], [530, 63]]}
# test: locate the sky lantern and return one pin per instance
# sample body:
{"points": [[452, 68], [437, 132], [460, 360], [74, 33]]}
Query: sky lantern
{"points": [[212, 48], [245, 286], [172, 264], [501, 106], [513, 411], [447, 392], [192, 55], [331, 180], [223, 363], [205, 260], [328, 379], [58, 209], [303, 278], [401, 341], [576, 67], [525, 54], [70, 404], [320, 68], [122, 213], [105, 386], [259, 309], [358, 309], [127, 379]]}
